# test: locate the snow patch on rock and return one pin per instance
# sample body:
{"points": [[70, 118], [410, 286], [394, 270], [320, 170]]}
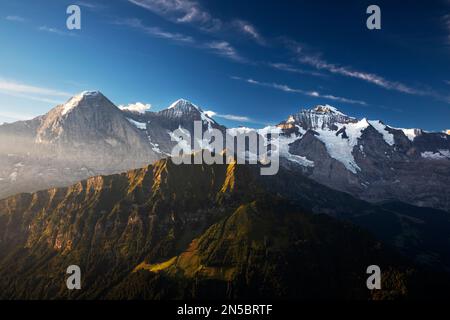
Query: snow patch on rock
{"points": [[382, 129], [75, 101], [341, 148], [13, 176], [411, 134], [139, 125], [284, 142], [440, 155]]}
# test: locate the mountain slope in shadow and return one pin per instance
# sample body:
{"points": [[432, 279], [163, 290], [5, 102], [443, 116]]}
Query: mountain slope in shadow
{"points": [[194, 231]]}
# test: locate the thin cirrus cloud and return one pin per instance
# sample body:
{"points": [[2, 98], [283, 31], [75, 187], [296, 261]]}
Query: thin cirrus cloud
{"points": [[314, 60], [213, 114], [286, 88], [446, 21], [21, 90], [289, 68], [250, 30], [219, 47], [191, 12], [91, 5], [225, 49], [348, 72], [56, 31], [156, 31], [232, 117], [181, 11], [15, 18], [14, 116]]}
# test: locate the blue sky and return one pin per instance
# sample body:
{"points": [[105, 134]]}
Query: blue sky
{"points": [[251, 62]]}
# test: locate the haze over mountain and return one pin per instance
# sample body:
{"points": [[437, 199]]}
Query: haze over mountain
{"points": [[358, 117], [221, 231], [90, 136], [86, 136]]}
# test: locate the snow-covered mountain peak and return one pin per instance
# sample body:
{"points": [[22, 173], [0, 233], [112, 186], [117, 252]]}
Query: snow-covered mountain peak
{"points": [[184, 109], [411, 134], [91, 93], [183, 105], [327, 109], [84, 97], [320, 117]]}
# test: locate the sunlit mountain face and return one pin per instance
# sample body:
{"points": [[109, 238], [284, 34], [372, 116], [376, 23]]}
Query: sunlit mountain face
{"points": [[202, 231], [88, 136], [154, 184], [159, 225]]}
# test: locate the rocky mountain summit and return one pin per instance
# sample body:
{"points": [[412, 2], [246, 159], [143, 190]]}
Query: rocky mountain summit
{"points": [[370, 159], [158, 126], [89, 135], [320, 117], [348, 191]]}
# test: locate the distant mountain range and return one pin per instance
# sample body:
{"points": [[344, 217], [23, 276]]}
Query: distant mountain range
{"points": [[369, 159], [89, 136], [84, 137], [92, 185]]}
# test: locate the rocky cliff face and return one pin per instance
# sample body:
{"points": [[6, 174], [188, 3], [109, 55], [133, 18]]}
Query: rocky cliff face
{"points": [[88, 136], [159, 126], [91, 129], [370, 159], [320, 117], [109, 224]]}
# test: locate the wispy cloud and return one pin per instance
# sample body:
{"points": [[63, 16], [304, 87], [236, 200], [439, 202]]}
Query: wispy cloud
{"points": [[156, 31], [181, 11], [169, 35], [213, 114], [232, 117], [21, 90], [91, 5], [292, 69], [50, 100], [56, 31], [220, 48], [249, 30], [365, 76], [15, 116], [223, 48], [286, 88], [446, 22], [235, 118], [12, 86], [304, 56], [192, 13], [15, 18]]}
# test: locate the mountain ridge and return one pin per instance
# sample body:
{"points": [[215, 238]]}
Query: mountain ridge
{"points": [[366, 158], [116, 227]]}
